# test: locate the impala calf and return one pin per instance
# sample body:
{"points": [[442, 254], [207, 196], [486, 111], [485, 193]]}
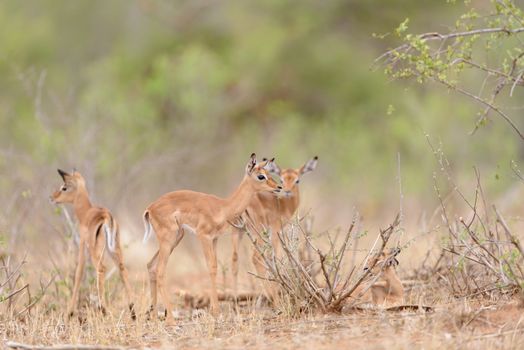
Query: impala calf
{"points": [[389, 289], [205, 215], [271, 213], [98, 230]]}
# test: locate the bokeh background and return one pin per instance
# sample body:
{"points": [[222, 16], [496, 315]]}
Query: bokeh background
{"points": [[149, 96]]}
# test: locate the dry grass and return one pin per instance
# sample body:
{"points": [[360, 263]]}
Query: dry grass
{"points": [[488, 320], [458, 323]]}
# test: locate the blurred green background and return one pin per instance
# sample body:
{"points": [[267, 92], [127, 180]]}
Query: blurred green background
{"points": [[149, 96]]}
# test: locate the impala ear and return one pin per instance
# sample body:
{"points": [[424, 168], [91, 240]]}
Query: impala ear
{"points": [[251, 163], [272, 167], [267, 163], [63, 174], [309, 166], [392, 262]]}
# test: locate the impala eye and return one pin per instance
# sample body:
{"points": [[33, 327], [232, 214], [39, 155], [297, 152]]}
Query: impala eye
{"points": [[64, 188], [261, 177], [297, 181]]}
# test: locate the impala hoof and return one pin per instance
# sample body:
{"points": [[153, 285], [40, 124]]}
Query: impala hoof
{"points": [[103, 310], [150, 312], [132, 310]]}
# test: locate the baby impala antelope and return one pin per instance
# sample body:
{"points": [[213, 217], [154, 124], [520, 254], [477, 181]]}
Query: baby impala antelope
{"points": [[204, 215], [389, 290], [98, 230]]}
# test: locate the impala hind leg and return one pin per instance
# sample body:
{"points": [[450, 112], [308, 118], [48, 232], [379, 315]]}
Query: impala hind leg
{"points": [[165, 250], [209, 247], [117, 257], [97, 258]]}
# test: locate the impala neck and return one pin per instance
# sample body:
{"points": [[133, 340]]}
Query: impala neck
{"points": [[238, 201], [295, 199], [81, 204], [393, 283], [289, 205]]}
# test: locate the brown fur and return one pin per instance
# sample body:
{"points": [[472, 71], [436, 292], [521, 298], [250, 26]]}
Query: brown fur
{"points": [[208, 215], [90, 227], [271, 213], [386, 292]]}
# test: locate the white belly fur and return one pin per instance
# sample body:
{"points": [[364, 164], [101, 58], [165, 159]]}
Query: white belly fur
{"points": [[188, 228]]}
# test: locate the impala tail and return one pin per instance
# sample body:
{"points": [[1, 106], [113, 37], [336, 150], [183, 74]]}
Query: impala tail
{"points": [[148, 227], [110, 228]]}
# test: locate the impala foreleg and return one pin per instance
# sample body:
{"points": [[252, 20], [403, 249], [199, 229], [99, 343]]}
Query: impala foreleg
{"points": [[151, 268], [209, 248]]}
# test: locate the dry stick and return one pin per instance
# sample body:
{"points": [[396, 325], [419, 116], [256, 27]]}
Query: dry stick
{"points": [[309, 282], [474, 206], [453, 251], [514, 240], [342, 251], [10, 275], [295, 281], [401, 199], [385, 235], [356, 240], [308, 232], [519, 78], [262, 277], [485, 103], [21, 346], [474, 238], [348, 278], [444, 165], [443, 207], [502, 83], [322, 259], [486, 213], [8, 297], [41, 295], [276, 271]]}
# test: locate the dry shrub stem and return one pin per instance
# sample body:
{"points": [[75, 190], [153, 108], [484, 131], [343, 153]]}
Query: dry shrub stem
{"points": [[314, 283], [486, 262]]}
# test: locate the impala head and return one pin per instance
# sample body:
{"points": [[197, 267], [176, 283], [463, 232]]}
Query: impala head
{"points": [[384, 262], [290, 178], [258, 174], [68, 191]]}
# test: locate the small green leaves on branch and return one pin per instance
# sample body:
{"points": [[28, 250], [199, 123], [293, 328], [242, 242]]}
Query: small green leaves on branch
{"points": [[490, 45]]}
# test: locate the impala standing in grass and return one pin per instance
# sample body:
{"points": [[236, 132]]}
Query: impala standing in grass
{"points": [[98, 231], [205, 215], [271, 213]]}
